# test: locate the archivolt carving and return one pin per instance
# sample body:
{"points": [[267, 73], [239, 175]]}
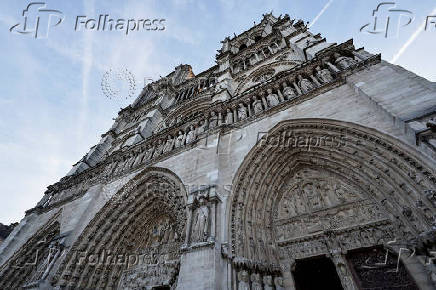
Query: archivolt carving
{"points": [[33, 261], [293, 202], [144, 231]]}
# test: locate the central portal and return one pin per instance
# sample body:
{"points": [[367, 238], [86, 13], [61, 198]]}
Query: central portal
{"points": [[316, 273]]}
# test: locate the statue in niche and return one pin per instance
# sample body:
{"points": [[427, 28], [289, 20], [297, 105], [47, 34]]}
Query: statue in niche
{"points": [[305, 84], [168, 145], [257, 105], [288, 92], [324, 75], [244, 283], [229, 117], [200, 228], [242, 112], [344, 62], [190, 137], [256, 282], [180, 140], [202, 127], [278, 282], [213, 120], [159, 148], [273, 99], [268, 282]]}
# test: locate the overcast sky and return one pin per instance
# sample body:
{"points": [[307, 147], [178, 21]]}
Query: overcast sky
{"points": [[52, 108]]}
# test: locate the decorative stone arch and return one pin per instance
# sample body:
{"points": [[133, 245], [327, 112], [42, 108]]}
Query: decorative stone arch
{"points": [[353, 188], [134, 240], [30, 265]]}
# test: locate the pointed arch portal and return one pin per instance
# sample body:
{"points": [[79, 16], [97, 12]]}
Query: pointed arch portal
{"points": [[323, 188], [134, 240]]}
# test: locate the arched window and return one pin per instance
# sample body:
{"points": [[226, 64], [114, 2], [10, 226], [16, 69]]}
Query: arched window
{"points": [[242, 47]]}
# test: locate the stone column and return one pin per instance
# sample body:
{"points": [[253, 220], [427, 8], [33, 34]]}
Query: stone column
{"points": [[332, 67], [344, 271]]}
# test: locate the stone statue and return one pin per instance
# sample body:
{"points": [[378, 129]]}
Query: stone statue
{"points": [[244, 283], [256, 283], [344, 62], [190, 137], [273, 99], [288, 92], [268, 282], [229, 117], [242, 112], [150, 151], [278, 282], [200, 229], [305, 84], [168, 145], [180, 140], [257, 105], [159, 148], [213, 120], [324, 75], [202, 127]]}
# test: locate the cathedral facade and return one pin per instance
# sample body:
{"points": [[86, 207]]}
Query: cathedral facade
{"points": [[293, 163]]}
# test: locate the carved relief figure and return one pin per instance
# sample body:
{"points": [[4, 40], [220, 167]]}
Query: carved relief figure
{"points": [[288, 92], [257, 104], [324, 75], [273, 99], [202, 127], [242, 112], [268, 282], [200, 228], [168, 145], [256, 283], [278, 282], [229, 117], [159, 148], [213, 120], [190, 137], [180, 140], [244, 283], [344, 62], [305, 84]]}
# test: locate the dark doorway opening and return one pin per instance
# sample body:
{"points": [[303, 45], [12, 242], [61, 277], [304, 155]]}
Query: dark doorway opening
{"points": [[316, 273], [161, 288]]}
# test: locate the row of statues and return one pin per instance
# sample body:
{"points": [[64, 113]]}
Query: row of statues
{"points": [[258, 104], [254, 281], [257, 56]]}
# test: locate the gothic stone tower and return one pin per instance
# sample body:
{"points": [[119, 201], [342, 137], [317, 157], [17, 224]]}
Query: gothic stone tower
{"points": [[291, 163]]}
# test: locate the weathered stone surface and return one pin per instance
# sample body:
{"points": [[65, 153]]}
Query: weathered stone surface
{"points": [[287, 149]]}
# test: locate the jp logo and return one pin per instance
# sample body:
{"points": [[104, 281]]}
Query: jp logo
{"points": [[118, 84], [388, 20], [37, 20]]}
